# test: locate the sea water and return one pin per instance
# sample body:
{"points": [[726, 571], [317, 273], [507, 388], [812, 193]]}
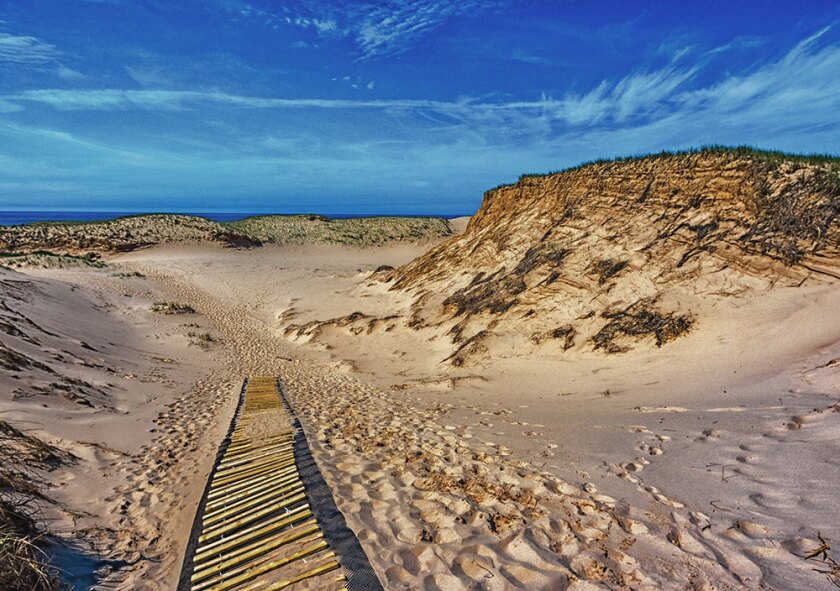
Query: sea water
{"points": [[16, 218]]}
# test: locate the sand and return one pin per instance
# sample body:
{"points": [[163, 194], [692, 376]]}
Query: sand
{"points": [[708, 464], [125, 393]]}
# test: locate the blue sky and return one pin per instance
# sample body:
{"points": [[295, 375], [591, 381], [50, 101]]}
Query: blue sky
{"points": [[413, 106]]}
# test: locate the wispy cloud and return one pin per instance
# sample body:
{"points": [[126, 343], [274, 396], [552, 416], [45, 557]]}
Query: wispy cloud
{"points": [[174, 100], [389, 28], [519, 55], [23, 49], [739, 43], [788, 102], [379, 28], [799, 86], [802, 84], [69, 74], [148, 76], [71, 139]]}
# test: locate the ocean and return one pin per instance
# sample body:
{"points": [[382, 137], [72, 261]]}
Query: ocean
{"points": [[17, 218]]}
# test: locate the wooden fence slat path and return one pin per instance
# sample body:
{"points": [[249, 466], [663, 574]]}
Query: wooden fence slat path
{"points": [[257, 530]]}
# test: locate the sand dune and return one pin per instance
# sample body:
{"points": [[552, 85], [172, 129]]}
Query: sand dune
{"points": [[91, 239], [642, 442], [511, 408], [94, 372], [466, 479]]}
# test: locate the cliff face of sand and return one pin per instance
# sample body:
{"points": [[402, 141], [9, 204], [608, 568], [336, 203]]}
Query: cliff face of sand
{"points": [[613, 254], [134, 232]]}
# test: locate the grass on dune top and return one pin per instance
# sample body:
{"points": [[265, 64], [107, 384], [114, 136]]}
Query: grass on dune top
{"points": [[121, 218], [271, 229], [770, 157]]}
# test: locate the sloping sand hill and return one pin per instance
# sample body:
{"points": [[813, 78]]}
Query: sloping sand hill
{"points": [[93, 374]]}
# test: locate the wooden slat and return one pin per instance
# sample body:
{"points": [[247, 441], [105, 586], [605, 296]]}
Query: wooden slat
{"points": [[274, 481], [318, 570], [258, 529], [232, 519], [272, 566], [240, 471], [222, 561], [245, 483], [258, 558], [255, 532], [271, 496]]}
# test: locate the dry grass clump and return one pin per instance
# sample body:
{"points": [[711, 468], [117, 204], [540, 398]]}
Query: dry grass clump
{"points": [[496, 293], [11, 360], [25, 449], [22, 562], [549, 254], [477, 489], [203, 340], [802, 217], [502, 522], [172, 308], [607, 269], [472, 346], [640, 320], [828, 565], [567, 333]]}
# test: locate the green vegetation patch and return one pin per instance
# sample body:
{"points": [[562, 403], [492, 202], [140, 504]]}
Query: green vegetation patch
{"points": [[773, 157], [312, 229], [129, 233], [49, 260]]}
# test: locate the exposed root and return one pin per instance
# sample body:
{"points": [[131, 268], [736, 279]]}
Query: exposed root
{"points": [[638, 321]]}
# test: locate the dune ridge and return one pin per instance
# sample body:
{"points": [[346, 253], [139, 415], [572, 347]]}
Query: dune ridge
{"points": [[142, 231]]}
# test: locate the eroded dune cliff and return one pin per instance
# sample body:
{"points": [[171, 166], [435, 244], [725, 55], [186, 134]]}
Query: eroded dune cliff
{"points": [[608, 254]]}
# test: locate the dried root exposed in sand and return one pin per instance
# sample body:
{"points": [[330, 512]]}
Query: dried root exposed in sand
{"points": [[638, 321], [828, 565]]}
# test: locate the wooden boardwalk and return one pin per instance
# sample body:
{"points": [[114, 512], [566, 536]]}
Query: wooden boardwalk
{"points": [[257, 530]]}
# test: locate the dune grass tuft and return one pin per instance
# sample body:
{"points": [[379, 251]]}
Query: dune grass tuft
{"points": [[172, 308], [23, 564]]}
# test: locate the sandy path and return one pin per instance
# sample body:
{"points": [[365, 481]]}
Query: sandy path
{"points": [[433, 507]]}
